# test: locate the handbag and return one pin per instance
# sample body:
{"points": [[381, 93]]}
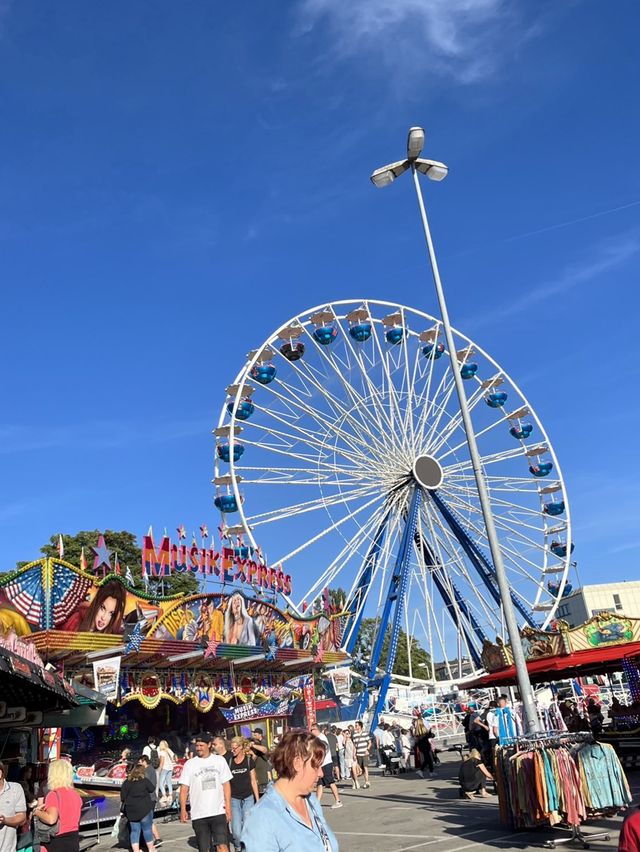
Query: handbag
{"points": [[45, 833]]}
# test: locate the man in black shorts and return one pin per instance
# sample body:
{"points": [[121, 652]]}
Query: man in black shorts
{"points": [[327, 779], [205, 781], [362, 745]]}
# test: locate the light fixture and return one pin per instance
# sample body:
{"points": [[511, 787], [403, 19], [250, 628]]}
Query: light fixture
{"points": [[432, 169], [252, 659], [106, 652], [188, 656], [415, 142], [387, 174], [298, 662]]}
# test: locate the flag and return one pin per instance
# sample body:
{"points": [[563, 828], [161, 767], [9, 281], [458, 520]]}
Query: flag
{"points": [[60, 547], [83, 560], [116, 567], [129, 577]]}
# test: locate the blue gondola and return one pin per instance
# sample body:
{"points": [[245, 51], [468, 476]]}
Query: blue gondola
{"points": [[496, 400], [224, 451], [361, 331], [226, 503], [560, 549], [468, 371], [556, 507], [263, 373], [292, 351], [433, 350], [554, 588], [541, 469], [325, 334], [245, 408], [521, 432], [394, 335]]}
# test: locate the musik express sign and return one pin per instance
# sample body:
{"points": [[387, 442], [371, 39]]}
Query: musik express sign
{"points": [[226, 564]]}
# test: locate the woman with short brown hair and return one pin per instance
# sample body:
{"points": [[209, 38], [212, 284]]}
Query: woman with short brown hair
{"points": [[288, 817]]}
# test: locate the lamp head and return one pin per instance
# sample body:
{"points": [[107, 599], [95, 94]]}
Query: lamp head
{"points": [[415, 142], [387, 174]]}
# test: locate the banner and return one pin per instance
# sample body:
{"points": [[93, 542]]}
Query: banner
{"points": [[341, 680], [310, 702], [106, 676]]}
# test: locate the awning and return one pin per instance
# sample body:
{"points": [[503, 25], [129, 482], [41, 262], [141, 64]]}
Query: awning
{"points": [[28, 685], [578, 664]]}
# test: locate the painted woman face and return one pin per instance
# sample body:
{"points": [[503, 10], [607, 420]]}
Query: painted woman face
{"points": [[105, 613], [236, 607]]}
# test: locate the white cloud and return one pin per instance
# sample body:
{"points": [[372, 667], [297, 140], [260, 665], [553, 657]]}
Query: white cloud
{"points": [[461, 39], [608, 255]]}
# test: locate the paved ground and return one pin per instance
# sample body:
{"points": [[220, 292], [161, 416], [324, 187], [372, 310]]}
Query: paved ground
{"points": [[408, 813]]}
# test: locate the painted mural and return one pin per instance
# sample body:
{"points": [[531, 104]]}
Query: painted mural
{"points": [[51, 594], [235, 619]]}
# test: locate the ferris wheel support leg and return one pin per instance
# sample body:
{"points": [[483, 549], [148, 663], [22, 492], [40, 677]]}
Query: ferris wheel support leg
{"points": [[395, 602], [524, 683], [455, 605], [356, 605], [483, 566]]}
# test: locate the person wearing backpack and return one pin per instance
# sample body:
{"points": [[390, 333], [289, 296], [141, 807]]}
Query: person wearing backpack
{"points": [[151, 751], [57, 820]]}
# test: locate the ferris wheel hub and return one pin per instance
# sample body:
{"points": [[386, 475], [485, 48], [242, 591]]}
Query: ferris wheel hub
{"points": [[427, 472]]}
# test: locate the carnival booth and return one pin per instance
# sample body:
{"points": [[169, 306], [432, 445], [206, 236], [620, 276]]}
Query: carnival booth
{"points": [[170, 664], [559, 777]]}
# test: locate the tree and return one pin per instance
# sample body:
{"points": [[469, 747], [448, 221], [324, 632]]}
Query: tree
{"points": [[125, 546], [420, 659]]}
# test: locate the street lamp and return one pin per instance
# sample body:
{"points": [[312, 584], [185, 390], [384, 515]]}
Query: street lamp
{"points": [[438, 171]]}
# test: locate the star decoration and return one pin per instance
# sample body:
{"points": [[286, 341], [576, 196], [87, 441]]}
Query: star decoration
{"points": [[135, 640], [103, 554], [204, 532], [212, 647], [182, 533]]}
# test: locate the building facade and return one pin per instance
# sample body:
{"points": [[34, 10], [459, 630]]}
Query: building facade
{"points": [[618, 598]]}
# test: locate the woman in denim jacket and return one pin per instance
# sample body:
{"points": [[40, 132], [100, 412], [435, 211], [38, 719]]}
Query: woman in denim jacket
{"points": [[288, 817]]}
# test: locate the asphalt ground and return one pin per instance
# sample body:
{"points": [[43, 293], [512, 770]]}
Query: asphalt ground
{"points": [[405, 812]]}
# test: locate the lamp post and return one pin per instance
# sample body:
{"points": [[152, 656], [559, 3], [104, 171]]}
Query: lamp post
{"points": [[437, 171]]}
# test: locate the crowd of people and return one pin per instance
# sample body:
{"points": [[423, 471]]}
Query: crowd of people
{"points": [[240, 794]]}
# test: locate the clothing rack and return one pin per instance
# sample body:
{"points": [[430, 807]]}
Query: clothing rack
{"points": [[537, 742]]}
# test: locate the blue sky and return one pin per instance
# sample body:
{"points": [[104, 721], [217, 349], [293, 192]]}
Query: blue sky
{"points": [[179, 179]]}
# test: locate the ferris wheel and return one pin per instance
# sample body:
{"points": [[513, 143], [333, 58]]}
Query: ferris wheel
{"points": [[341, 444]]}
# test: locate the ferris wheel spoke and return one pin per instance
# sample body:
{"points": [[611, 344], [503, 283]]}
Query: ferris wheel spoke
{"points": [[356, 440], [304, 436], [289, 453], [361, 428], [440, 403], [491, 458], [369, 388], [345, 554], [455, 422], [356, 398], [308, 506], [327, 530], [395, 410], [468, 498], [502, 421]]}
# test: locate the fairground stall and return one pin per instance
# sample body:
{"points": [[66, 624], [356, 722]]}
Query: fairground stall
{"points": [[170, 666], [605, 649]]}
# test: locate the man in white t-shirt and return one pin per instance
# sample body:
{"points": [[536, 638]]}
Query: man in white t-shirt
{"points": [[205, 780], [327, 779]]}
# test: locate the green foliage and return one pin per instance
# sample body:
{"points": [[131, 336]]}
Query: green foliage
{"points": [[123, 544], [420, 659]]}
